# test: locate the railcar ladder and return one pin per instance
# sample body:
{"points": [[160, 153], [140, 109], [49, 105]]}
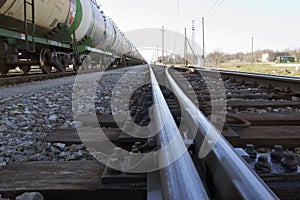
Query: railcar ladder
{"points": [[29, 21]]}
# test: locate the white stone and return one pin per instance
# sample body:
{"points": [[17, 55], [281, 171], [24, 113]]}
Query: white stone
{"points": [[53, 117], [3, 128], [60, 146]]}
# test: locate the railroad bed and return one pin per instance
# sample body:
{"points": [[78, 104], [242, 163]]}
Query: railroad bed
{"points": [[263, 114], [60, 161]]}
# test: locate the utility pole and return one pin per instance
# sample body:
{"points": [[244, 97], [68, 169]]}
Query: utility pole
{"points": [[177, 15], [157, 52], [252, 50], [185, 48], [193, 37], [174, 54], [203, 45], [163, 46]]}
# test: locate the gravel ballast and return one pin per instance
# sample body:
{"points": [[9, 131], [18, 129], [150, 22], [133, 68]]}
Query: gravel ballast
{"points": [[29, 112]]}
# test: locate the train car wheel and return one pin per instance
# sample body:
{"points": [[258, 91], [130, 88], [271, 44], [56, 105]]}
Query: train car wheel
{"points": [[4, 70], [62, 69], [45, 65], [25, 69], [76, 67]]}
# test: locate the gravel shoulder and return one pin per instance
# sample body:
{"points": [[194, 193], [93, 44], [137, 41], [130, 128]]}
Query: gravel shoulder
{"points": [[29, 112]]}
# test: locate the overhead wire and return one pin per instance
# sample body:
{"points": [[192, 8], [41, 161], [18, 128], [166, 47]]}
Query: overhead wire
{"points": [[214, 8]]}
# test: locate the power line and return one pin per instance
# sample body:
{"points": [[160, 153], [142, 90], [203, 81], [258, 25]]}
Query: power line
{"points": [[216, 8], [212, 7]]}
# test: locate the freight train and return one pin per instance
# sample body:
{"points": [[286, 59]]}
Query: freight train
{"points": [[60, 34]]}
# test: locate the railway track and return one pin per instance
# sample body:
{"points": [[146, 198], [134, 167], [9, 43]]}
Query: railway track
{"points": [[264, 108], [171, 123], [16, 78]]}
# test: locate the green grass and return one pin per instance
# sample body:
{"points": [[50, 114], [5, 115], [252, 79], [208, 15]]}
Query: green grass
{"points": [[261, 68]]}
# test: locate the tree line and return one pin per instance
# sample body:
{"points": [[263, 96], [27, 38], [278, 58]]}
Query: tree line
{"points": [[218, 57]]}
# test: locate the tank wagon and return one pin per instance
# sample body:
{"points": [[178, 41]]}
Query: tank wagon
{"points": [[56, 33]]}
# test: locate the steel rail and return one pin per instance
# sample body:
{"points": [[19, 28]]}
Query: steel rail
{"points": [[179, 179], [227, 175], [276, 81], [259, 75], [39, 76], [34, 77]]}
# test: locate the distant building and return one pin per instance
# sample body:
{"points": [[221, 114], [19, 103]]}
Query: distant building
{"points": [[272, 57], [285, 59], [265, 57]]}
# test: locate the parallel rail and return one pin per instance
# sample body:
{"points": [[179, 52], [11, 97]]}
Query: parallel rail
{"points": [[280, 82], [18, 79], [34, 77]]}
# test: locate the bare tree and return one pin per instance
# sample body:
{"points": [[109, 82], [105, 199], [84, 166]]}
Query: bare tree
{"points": [[216, 58]]}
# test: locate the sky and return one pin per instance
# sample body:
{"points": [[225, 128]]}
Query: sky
{"points": [[229, 24]]}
